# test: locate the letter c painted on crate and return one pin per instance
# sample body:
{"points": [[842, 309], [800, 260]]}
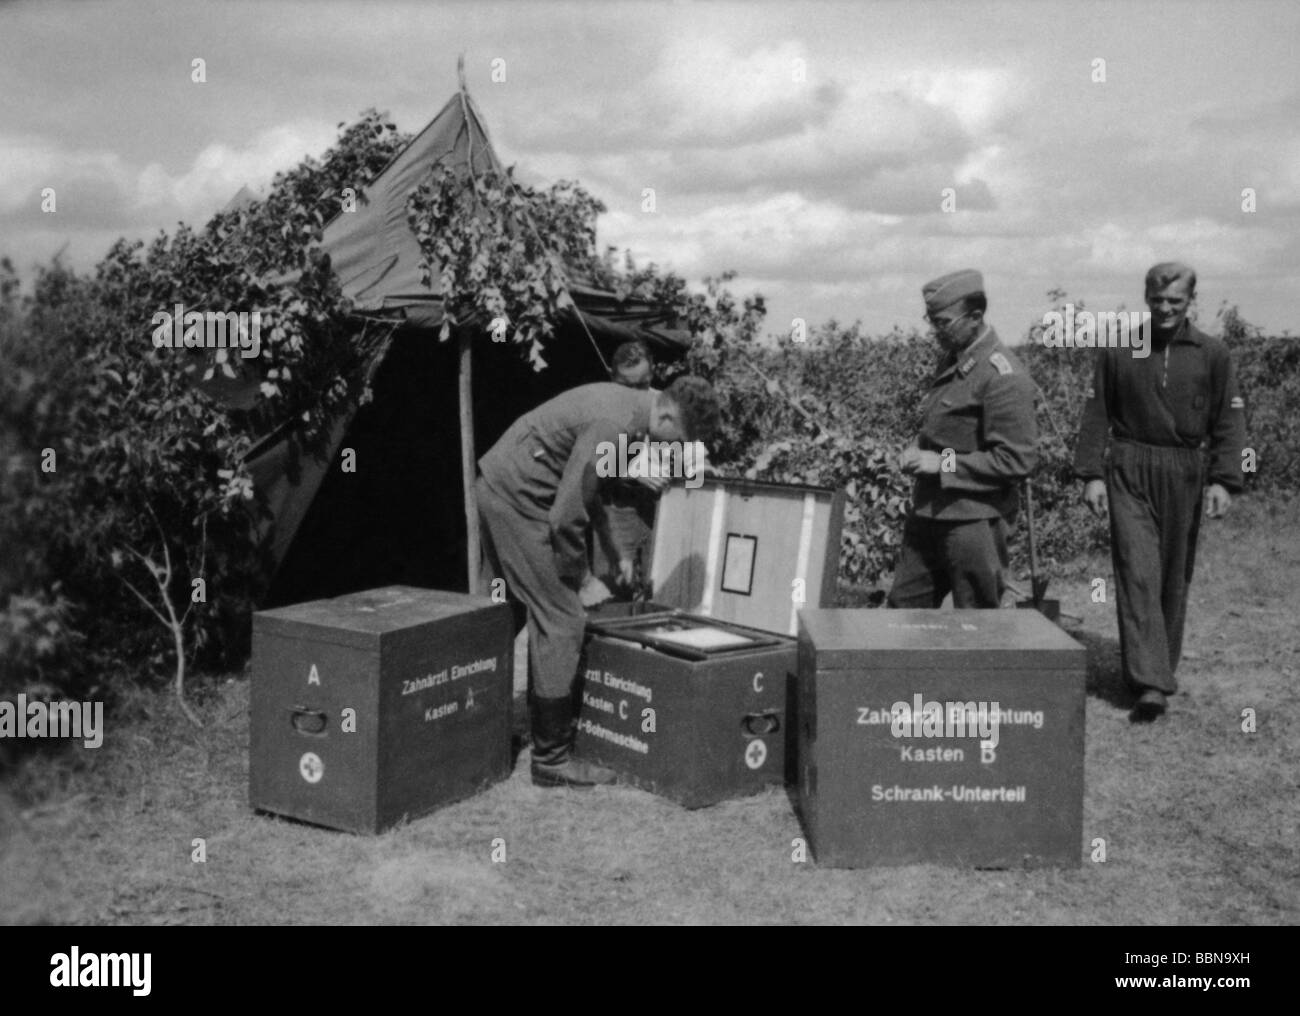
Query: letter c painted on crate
{"points": [[622, 709], [758, 681]]}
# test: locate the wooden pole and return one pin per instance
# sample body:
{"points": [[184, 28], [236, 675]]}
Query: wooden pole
{"points": [[465, 386], [468, 458]]}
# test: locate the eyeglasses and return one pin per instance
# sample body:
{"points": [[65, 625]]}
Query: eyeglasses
{"points": [[944, 323]]}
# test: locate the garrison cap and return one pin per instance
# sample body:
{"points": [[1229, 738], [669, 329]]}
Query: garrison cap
{"points": [[948, 289]]}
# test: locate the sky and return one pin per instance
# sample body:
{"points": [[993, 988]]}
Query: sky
{"points": [[809, 147]]}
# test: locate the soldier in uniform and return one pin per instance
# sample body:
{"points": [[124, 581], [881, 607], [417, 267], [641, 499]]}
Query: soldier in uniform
{"points": [[536, 489], [977, 442], [1159, 412]]}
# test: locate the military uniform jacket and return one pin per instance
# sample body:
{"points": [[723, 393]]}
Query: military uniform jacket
{"points": [[981, 406], [1183, 395], [544, 465]]}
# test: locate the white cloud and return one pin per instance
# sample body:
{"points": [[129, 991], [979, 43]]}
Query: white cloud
{"points": [[980, 97], [30, 164], [700, 93], [119, 191], [1212, 247], [220, 169]]}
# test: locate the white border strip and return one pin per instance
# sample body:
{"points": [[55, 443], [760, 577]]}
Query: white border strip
{"points": [[805, 552]]}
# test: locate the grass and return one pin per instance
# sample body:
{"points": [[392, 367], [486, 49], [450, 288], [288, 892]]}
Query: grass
{"points": [[1201, 820]]}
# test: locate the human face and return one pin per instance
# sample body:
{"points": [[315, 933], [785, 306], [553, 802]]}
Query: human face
{"points": [[1168, 306], [637, 374], [952, 327]]}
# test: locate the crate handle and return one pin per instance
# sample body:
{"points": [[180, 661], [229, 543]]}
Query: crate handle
{"points": [[760, 724], [307, 721]]}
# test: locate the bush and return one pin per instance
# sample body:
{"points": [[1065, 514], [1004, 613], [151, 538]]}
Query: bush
{"points": [[838, 408], [125, 463], [38, 645]]}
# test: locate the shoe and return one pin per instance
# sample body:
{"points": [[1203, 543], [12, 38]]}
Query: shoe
{"points": [[553, 762], [1150, 705]]}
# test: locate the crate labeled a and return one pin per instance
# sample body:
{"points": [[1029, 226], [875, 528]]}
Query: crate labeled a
{"points": [[378, 706]]}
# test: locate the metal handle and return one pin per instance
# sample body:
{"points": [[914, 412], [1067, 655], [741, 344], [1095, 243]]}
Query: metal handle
{"points": [[760, 724], [308, 721]]}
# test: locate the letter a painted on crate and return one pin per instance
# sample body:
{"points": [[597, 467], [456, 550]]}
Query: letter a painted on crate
{"points": [[314, 676]]}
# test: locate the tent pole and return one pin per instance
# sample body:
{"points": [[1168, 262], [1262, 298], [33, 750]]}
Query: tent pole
{"points": [[467, 458], [466, 397]]}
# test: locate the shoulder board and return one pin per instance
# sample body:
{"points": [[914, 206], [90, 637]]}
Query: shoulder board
{"points": [[1001, 363], [1237, 402]]}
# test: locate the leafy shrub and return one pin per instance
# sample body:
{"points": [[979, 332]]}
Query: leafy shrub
{"points": [[38, 645], [125, 463]]}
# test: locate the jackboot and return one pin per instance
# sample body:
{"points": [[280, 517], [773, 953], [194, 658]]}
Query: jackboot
{"points": [[553, 761]]}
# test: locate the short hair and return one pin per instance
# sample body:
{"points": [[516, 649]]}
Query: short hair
{"points": [[632, 366], [697, 404], [629, 353], [1167, 273]]}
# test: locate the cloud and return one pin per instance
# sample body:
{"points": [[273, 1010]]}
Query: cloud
{"points": [[29, 164], [97, 190], [220, 169], [890, 151], [699, 93]]}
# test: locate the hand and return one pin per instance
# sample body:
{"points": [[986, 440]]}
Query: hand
{"points": [[656, 483], [929, 464], [914, 460], [594, 591], [1094, 496], [1217, 500], [701, 460]]}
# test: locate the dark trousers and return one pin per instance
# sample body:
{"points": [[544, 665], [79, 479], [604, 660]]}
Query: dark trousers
{"points": [[1155, 517], [966, 558], [518, 550]]}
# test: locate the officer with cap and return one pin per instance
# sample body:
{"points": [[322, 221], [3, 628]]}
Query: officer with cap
{"points": [[1162, 412], [977, 441]]}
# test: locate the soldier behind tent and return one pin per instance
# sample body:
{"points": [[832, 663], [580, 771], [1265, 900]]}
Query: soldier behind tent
{"points": [[632, 365]]}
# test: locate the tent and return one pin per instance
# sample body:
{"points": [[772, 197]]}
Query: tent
{"points": [[403, 515]]}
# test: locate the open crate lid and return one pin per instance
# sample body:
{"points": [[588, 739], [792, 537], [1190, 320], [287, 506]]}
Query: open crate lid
{"points": [[733, 550]]}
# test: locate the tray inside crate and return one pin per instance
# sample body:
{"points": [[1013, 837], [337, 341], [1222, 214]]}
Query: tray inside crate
{"points": [[681, 635]]}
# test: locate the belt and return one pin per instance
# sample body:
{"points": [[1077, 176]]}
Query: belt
{"points": [[1168, 452]]}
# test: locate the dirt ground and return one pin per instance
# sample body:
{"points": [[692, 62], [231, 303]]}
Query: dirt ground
{"points": [[1200, 818]]}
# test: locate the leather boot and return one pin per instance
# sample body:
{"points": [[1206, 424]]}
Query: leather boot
{"points": [[553, 761]]}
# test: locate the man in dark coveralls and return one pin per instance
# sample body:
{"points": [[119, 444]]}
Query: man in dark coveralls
{"points": [[977, 442], [536, 489], [1159, 412]]}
